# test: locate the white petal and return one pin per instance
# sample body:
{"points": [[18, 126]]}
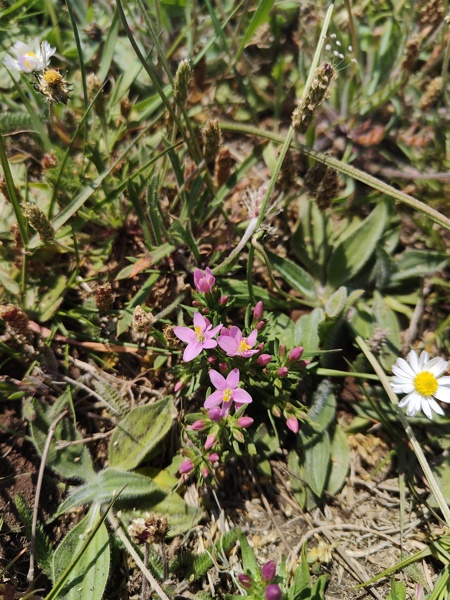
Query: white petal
{"points": [[413, 360], [401, 379], [400, 373], [423, 359], [444, 380], [437, 366], [427, 408], [405, 367], [435, 406], [443, 394]]}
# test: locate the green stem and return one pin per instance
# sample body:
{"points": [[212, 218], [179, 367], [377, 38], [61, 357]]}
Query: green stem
{"points": [[334, 373], [13, 197], [409, 432]]}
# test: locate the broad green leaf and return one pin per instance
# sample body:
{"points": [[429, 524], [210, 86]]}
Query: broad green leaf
{"points": [[340, 457], [259, 18], [307, 331], [282, 328], [9, 283], [294, 275], [248, 556], [139, 432], [323, 408], [87, 579], [72, 461], [302, 578], [48, 303], [315, 455], [398, 591], [386, 320], [417, 263], [107, 484], [336, 303], [181, 516], [350, 256], [310, 240]]}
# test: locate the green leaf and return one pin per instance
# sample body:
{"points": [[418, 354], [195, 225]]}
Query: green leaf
{"points": [[398, 591], [350, 256], [336, 303], [139, 433], [340, 459], [72, 461], [302, 578], [323, 408], [417, 263], [109, 46], [307, 331], [48, 303], [107, 484], [87, 579], [315, 454], [248, 556], [294, 275], [387, 321], [259, 18], [42, 548]]}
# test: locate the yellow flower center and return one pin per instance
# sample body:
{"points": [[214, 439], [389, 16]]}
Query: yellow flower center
{"points": [[52, 77], [27, 56], [426, 383], [243, 346], [199, 334], [227, 393]]}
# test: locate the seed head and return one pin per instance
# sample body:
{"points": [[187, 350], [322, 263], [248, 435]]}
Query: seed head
{"points": [[211, 139], [181, 82], [303, 115], [39, 222], [53, 86]]}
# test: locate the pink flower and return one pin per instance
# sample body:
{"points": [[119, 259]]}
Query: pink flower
{"points": [[283, 372], [198, 425], [198, 338], [227, 391], [245, 580], [216, 413], [292, 423], [213, 457], [234, 344], [204, 281]]}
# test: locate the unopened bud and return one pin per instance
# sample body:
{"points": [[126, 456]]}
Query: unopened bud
{"points": [[213, 457], [211, 360], [282, 350], [283, 372], [296, 353], [223, 300], [264, 360], [198, 425], [245, 422], [260, 325], [223, 367], [273, 592], [210, 441], [215, 414], [196, 303], [179, 384], [186, 467], [292, 423], [245, 580], [258, 311], [268, 571]]}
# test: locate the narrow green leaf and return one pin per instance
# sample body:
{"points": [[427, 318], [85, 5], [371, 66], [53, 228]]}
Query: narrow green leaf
{"points": [[350, 256], [417, 263], [109, 47], [259, 18], [248, 556], [139, 433]]}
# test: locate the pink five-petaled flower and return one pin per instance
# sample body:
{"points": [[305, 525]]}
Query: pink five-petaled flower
{"points": [[234, 344], [227, 391], [204, 281], [198, 338]]}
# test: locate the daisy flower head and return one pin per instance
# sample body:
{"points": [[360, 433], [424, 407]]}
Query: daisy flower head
{"points": [[29, 58], [198, 338], [227, 391], [235, 344], [421, 379]]}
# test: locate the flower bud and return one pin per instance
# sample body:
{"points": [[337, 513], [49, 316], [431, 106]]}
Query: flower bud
{"points": [[296, 353], [245, 580], [186, 466], [178, 386], [211, 359], [260, 325], [196, 303], [283, 372], [223, 300], [198, 425], [268, 571], [276, 411], [210, 441], [215, 414], [213, 457], [223, 367], [292, 423], [282, 350], [205, 472], [245, 422], [204, 281], [273, 592], [205, 311], [264, 360], [258, 311], [260, 346]]}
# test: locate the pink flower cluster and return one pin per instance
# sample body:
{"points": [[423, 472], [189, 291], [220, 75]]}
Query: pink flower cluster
{"points": [[198, 338]]}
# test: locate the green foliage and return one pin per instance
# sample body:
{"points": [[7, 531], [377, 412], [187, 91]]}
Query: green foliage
{"points": [[43, 546]]}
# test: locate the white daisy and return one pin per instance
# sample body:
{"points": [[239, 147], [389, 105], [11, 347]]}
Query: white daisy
{"points": [[420, 378], [28, 59]]}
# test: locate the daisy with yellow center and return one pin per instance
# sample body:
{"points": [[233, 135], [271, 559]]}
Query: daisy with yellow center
{"points": [[423, 382], [29, 58]]}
